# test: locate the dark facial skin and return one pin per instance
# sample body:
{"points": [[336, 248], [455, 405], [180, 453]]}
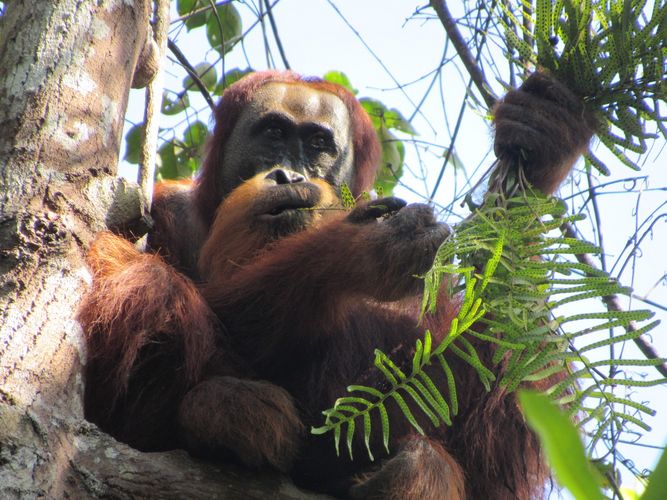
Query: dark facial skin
{"points": [[294, 127]]}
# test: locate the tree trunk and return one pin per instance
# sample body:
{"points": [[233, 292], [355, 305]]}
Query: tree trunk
{"points": [[65, 71]]}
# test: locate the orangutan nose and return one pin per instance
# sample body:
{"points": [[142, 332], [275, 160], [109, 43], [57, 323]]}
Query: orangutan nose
{"points": [[282, 176]]}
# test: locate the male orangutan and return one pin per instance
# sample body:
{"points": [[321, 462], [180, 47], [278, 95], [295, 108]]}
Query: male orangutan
{"points": [[309, 126], [293, 296]]}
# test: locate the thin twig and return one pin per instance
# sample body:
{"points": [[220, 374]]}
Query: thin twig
{"points": [[613, 303], [274, 28], [440, 7], [450, 150], [222, 34], [379, 60], [463, 104], [265, 38], [648, 301], [192, 72]]}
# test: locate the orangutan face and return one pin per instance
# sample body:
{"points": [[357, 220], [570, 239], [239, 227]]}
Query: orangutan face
{"points": [[291, 126]]}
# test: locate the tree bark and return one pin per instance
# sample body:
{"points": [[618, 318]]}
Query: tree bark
{"points": [[66, 67]]}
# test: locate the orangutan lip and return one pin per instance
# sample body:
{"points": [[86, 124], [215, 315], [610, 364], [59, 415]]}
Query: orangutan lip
{"points": [[288, 200], [284, 208]]}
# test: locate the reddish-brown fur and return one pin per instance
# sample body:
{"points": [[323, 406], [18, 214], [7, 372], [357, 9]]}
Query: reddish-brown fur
{"points": [[149, 335], [544, 126], [316, 303], [241, 365]]}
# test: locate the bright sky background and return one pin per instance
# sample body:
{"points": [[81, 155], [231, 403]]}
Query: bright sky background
{"points": [[316, 40]]}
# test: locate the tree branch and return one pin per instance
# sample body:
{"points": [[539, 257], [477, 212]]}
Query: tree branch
{"points": [[440, 7], [192, 72], [154, 102], [274, 28]]}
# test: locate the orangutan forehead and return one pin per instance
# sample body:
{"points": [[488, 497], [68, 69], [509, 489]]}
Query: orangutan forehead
{"points": [[300, 103]]}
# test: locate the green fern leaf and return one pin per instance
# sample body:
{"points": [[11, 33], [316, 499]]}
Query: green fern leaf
{"points": [[621, 338], [346, 196], [367, 435], [363, 388], [384, 420], [422, 404], [437, 401], [350, 436], [451, 384], [406, 411], [337, 439]]}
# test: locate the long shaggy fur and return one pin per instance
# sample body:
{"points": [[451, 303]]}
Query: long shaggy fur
{"points": [[544, 126], [149, 335]]}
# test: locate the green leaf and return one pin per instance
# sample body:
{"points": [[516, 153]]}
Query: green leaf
{"points": [[375, 109], [384, 419], [350, 437], [175, 162], [451, 384], [383, 116], [362, 388], [388, 364], [174, 106], [337, 439], [562, 445], [394, 119], [206, 73], [340, 78], [454, 160], [167, 164], [229, 78], [317, 431], [435, 398], [417, 398], [391, 164], [133, 141], [657, 485], [417, 358], [186, 7], [406, 411], [225, 29], [346, 196], [367, 435], [195, 135]]}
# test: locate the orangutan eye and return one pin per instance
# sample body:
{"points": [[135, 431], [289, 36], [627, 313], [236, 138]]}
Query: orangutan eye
{"points": [[318, 141], [274, 132]]}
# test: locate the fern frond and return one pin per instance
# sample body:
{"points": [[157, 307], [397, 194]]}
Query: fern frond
{"points": [[505, 301]]}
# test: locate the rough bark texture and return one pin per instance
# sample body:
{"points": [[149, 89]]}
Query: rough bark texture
{"points": [[65, 70]]}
